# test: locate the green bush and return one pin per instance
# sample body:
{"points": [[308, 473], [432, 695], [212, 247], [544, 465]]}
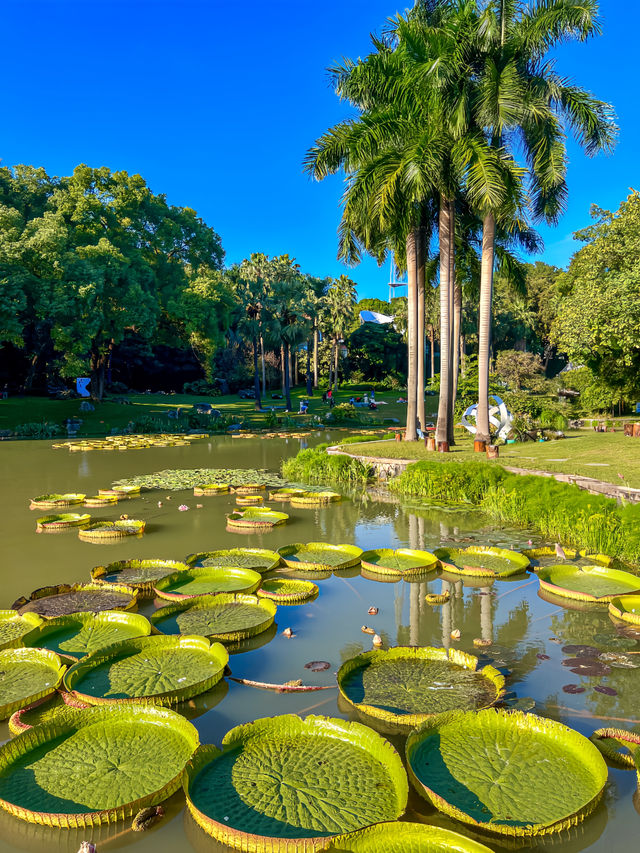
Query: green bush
{"points": [[560, 511], [38, 429], [344, 412]]}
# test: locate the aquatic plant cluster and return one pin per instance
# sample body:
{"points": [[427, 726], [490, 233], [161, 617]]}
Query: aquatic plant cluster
{"points": [[560, 511], [87, 679], [176, 479], [316, 466]]}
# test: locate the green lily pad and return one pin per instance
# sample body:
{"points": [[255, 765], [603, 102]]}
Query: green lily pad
{"points": [[249, 500], [61, 521], [288, 590], [403, 837], [249, 488], [587, 583], [257, 517], [258, 559], [177, 479], [154, 670], [27, 675], [320, 555], [125, 491], [506, 771], [285, 494], [140, 574], [549, 556], [625, 608], [283, 781], [311, 499], [56, 500], [80, 634], [193, 582], [43, 711], [481, 561], [210, 489], [64, 598], [100, 531], [101, 500], [224, 617], [13, 627], [406, 685], [401, 562], [99, 765]]}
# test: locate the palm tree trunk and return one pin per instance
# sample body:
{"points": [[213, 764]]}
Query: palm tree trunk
{"points": [[287, 363], [412, 334], [264, 370], [256, 375], [420, 354], [309, 377], [432, 350], [315, 354], [456, 338], [282, 366], [453, 379], [444, 405], [484, 326], [335, 367]]}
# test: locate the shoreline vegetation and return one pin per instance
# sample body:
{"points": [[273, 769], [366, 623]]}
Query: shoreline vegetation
{"points": [[559, 511]]}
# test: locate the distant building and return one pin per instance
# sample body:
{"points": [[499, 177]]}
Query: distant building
{"points": [[374, 317]]}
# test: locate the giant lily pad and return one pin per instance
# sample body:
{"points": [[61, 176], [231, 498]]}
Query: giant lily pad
{"points": [[549, 556], [249, 500], [481, 561], [60, 600], [405, 686], [101, 531], [625, 608], [192, 582], [282, 781], [399, 563], [27, 675], [587, 583], [285, 494], [13, 627], [224, 617], [256, 517], [320, 555], [81, 634], [250, 488], [121, 491], [403, 837], [43, 711], [56, 500], [152, 670], [311, 499], [210, 489], [99, 765], [62, 521], [288, 590], [259, 559], [101, 500], [140, 574], [507, 772]]}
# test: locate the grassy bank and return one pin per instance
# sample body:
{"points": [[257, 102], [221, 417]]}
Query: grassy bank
{"points": [[561, 512], [605, 456], [110, 415]]}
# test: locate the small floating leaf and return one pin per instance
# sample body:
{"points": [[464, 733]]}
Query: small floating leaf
{"points": [[573, 688], [608, 691]]}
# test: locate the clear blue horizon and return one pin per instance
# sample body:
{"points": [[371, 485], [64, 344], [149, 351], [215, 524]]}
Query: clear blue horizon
{"points": [[215, 104]]}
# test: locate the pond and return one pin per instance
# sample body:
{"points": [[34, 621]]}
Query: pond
{"points": [[528, 632]]}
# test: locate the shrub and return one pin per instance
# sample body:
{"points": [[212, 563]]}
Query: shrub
{"points": [[38, 429], [315, 465], [201, 387], [344, 412]]}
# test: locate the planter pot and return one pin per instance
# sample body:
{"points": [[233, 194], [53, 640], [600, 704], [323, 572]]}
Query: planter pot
{"points": [[493, 451]]}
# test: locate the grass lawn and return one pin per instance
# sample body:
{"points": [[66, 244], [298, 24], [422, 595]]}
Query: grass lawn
{"points": [[590, 454], [108, 415]]}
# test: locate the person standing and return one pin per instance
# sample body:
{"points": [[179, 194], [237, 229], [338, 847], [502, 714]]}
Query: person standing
{"points": [[330, 398]]}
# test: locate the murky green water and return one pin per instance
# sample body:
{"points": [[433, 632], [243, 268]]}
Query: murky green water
{"points": [[528, 632]]}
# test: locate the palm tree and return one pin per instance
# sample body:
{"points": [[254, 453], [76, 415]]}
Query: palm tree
{"points": [[288, 320], [341, 298]]}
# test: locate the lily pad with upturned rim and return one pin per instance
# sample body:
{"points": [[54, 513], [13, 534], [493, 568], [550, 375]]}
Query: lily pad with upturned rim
{"points": [[404, 837], [80, 634], [250, 488], [535, 554], [43, 711], [224, 617], [550, 776], [210, 489], [285, 494], [407, 685], [121, 491], [101, 500], [249, 500], [27, 675], [139, 574], [283, 781], [64, 598], [101, 531], [320, 555], [313, 499], [259, 559], [62, 521], [55, 774], [151, 670], [399, 562], [288, 590], [625, 608], [587, 583], [13, 626], [257, 517], [482, 561], [208, 580], [56, 500]]}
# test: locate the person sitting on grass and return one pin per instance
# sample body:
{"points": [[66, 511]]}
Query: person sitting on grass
{"points": [[304, 405]]}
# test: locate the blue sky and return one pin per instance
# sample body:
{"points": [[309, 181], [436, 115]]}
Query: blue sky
{"points": [[215, 103]]}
